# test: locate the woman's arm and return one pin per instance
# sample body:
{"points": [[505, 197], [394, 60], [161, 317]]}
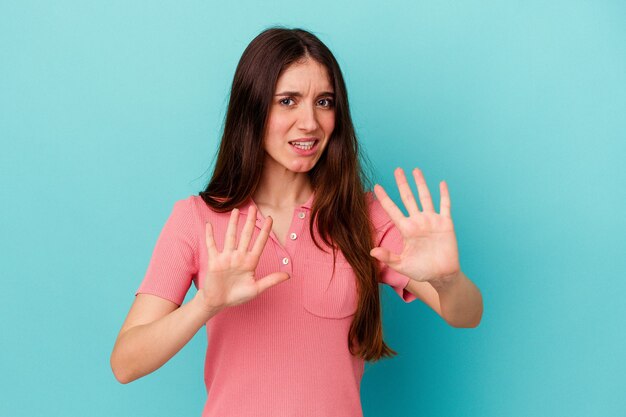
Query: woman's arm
{"points": [[156, 328], [430, 255], [456, 299], [154, 331]]}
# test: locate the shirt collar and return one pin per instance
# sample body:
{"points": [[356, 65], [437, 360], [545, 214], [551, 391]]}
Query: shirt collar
{"points": [[243, 209]]}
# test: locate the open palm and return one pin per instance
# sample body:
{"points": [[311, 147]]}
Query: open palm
{"points": [[430, 248], [230, 278]]}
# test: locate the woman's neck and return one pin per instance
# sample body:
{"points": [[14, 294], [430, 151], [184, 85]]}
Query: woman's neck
{"points": [[282, 188]]}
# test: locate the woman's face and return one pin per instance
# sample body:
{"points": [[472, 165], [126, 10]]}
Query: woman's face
{"points": [[301, 117]]}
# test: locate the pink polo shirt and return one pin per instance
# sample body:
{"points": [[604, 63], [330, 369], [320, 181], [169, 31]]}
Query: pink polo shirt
{"points": [[284, 353]]}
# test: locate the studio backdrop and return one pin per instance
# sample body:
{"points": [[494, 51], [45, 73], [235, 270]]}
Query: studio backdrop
{"points": [[111, 111]]}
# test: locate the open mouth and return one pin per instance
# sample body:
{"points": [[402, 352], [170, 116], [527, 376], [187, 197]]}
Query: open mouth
{"points": [[304, 145]]}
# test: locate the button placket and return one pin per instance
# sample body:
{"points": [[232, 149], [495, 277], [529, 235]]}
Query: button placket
{"points": [[284, 260], [297, 225], [293, 236]]}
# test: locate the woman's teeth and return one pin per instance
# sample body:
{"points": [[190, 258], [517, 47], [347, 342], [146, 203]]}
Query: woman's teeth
{"points": [[303, 145]]}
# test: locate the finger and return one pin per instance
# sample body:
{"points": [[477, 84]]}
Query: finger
{"points": [[231, 232], [271, 280], [261, 239], [444, 205], [248, 228], [405, 193], [422, 190], [385, 256], [390, 207], [210, 242]]}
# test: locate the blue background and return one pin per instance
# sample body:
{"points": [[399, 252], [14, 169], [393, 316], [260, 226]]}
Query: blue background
{"points": [[111, 111]]}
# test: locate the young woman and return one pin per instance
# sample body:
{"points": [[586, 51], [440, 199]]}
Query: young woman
{"points": [[287, 249]]}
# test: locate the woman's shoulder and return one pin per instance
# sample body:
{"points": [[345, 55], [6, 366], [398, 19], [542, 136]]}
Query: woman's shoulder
{"points": [[189, 205], [197, 204], [195, 209]]}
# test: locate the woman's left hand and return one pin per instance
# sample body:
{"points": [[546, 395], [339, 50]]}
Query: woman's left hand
{"points": [[430, 250]]}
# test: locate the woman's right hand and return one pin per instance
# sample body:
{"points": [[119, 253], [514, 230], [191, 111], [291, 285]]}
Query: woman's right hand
{"points": [[229, 280]]}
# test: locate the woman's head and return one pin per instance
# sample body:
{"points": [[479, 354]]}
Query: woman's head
{"points": [[242, 155], [257, 132], [301, 118]]}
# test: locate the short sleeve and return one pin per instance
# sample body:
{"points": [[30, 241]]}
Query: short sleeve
{"points": [[173, 264], [388, 236]]}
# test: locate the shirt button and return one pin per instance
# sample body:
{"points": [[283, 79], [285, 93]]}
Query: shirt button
{"points": [[301, 215], [293, 236], [285, 261]]}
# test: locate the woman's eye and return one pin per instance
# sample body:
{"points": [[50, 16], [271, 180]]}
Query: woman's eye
{"points": [[285, 101], [326, 102]]}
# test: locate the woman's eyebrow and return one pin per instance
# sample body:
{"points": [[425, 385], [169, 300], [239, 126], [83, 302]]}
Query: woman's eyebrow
{"points": [[297, 94]]}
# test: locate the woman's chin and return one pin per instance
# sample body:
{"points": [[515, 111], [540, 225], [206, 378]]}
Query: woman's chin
{"points": [[302, 166]]}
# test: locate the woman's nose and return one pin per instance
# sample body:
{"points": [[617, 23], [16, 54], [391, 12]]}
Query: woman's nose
{"points": [[307, 119]]}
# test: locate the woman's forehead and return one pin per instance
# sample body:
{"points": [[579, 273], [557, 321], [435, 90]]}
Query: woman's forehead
{"points": [[304, 75]]}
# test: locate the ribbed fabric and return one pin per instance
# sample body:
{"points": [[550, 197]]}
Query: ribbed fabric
{"points": [[284, 353]]}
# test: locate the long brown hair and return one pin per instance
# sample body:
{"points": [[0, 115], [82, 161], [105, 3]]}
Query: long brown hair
{"points": [[340, 209]]}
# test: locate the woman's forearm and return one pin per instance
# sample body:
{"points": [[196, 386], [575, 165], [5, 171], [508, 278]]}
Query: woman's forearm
{"points": [[143, 349], [460, 300]]}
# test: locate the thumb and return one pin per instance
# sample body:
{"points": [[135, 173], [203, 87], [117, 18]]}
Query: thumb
{"points": [[271, 280], [385, 256]]}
